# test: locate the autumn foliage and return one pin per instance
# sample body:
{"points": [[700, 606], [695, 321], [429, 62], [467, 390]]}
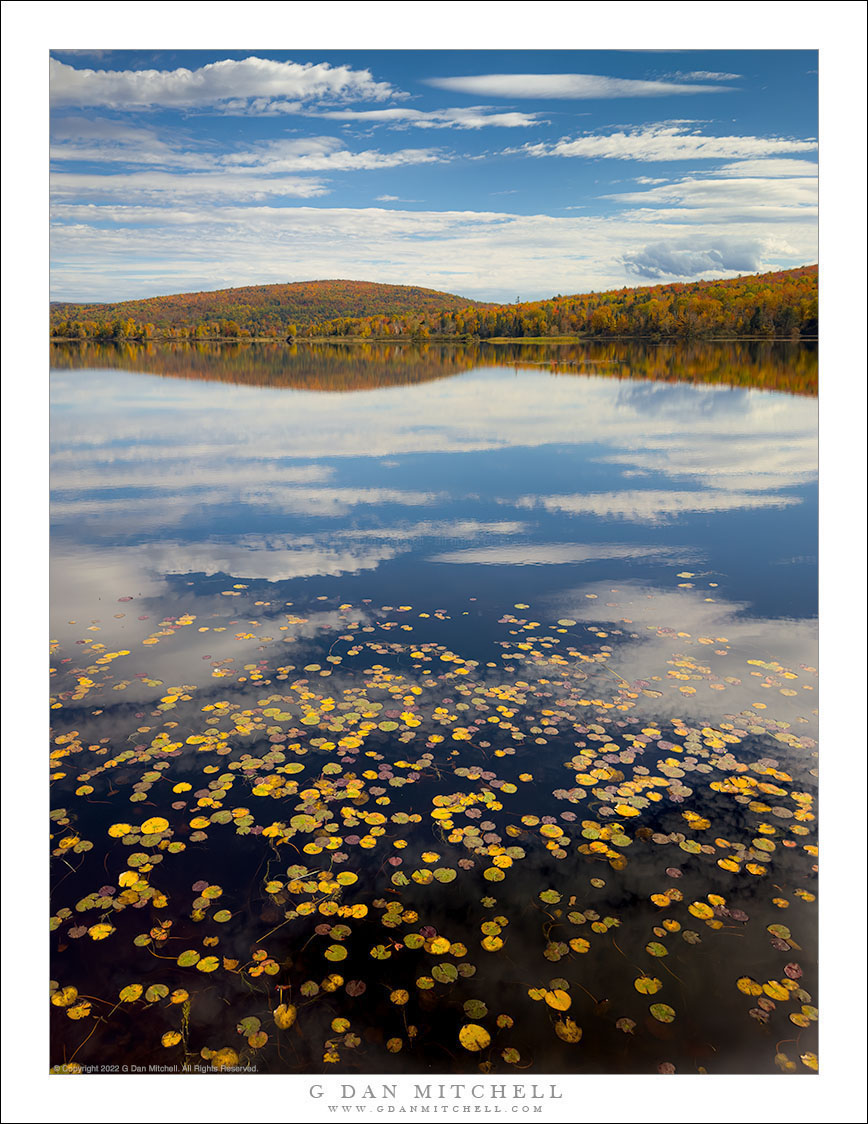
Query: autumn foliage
{"points": [[768, 305], [255, 310]]}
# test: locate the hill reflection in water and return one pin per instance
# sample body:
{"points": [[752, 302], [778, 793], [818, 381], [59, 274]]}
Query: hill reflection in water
{"points": [[344, 367]]}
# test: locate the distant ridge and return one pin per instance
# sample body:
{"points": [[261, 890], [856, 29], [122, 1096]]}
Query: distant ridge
{"points": [[268, 309], [782, 304]]}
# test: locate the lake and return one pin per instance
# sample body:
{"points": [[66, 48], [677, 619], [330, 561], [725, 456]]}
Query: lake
{"points": [[429, 709]]}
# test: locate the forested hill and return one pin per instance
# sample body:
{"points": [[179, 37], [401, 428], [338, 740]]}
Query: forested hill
{"points": [[765, 305], [263, 310]]}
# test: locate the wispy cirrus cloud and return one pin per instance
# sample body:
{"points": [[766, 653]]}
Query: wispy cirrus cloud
{"points": [[668, 141], [165, 187], [104, 140], [177, 168], [702, 76], [206, 246], [566, 86], [275, 168], [159, 183], [770, 167], [466, 117], [322, 154], [78, 52], [756, 197], [109, 142], [251, 85]]}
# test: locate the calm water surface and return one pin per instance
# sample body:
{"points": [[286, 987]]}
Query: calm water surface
{"points": [[466, 625]]}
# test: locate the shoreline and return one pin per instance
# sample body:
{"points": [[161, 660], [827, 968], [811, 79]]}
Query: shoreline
{"points": [[549, 340]]}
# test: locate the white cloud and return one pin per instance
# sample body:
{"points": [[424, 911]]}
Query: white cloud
{"points": [[466, 117], [73, 127], [108, 252], [104, 140], [768, 168], [321, 154], [115, 143], [166, 187], [251, 85], [680, 259], [567, 86], [272, 168], [668, 141], [704, 76], [772, 199]]}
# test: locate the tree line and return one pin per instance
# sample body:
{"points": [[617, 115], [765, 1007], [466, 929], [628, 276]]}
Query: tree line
{"points": [[771, 305]]}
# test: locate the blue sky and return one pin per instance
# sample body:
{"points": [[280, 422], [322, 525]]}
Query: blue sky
{"points": [[494, 174]]}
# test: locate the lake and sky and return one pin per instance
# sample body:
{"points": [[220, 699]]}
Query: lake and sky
{"points": [[537, 637], [439, 711]]}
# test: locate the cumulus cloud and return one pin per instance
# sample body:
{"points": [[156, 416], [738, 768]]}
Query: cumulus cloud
{"points": [[668, 141], [567, 86], [665, 259], [251, 85]]}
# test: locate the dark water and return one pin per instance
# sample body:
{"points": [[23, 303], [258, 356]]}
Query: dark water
{"points": [[270, 550]]}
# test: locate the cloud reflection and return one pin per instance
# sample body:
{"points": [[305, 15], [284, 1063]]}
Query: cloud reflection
{"points": [[652, 505], [555, 554], [650, 628]]}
